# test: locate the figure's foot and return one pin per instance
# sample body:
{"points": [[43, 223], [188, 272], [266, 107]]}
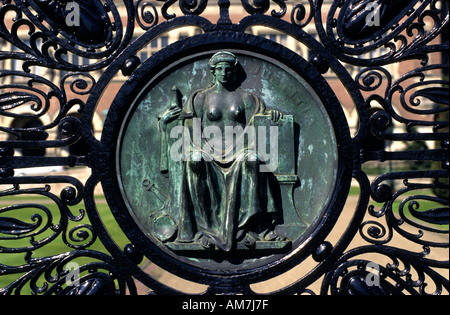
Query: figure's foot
{"points": [[272, 237], [249, 239], [207, 242]]}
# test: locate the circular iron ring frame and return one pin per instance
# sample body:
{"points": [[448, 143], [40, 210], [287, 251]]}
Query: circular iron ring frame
{"points": [[222, 41]]}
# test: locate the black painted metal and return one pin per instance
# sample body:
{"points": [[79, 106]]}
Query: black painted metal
{"points": [[407, 29]]}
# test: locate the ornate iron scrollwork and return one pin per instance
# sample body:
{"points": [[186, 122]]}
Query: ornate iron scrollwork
{"points": [[55, 78]]}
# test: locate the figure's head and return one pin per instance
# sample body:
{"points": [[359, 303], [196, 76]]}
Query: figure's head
{"points": [[222, 66]]}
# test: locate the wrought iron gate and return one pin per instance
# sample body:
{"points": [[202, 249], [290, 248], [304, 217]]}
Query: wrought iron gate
{"points": [[67, 64]]}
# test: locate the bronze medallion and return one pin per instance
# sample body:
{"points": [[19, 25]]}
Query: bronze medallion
{"points": [[227, 160]]}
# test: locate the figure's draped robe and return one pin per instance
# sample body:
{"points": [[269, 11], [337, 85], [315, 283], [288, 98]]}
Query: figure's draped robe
{"points": [[218, 200]]}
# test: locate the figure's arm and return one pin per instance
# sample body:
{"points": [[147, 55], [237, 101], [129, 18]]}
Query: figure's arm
{"points": [[199, 102], [261, 109], [167, 116]]}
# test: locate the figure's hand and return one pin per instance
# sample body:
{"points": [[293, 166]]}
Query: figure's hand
{"points": [[276, 116], [168, 115]]}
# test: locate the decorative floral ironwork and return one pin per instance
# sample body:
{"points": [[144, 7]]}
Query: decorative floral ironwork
{"points": [[408, 32], [104, 40]]}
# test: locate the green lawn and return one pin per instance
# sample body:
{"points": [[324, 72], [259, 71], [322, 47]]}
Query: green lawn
{"points": [[422, 206], [57, 246]]}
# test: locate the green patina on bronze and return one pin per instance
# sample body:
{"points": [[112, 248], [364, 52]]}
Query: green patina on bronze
{"points": [[210, 212]]}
